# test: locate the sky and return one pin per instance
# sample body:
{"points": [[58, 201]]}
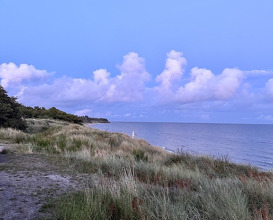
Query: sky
{"points": [[167, 61]]}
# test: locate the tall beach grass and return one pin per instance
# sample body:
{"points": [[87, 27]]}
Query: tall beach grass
{"points": [[135, 180]]}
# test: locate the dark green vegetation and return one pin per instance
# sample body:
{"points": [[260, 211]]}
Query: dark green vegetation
{"points": [[129, 179], [86, 119], [54, 113], [10, 114]]}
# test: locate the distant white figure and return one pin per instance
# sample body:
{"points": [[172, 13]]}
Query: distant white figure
{"points": [[133, 134]]}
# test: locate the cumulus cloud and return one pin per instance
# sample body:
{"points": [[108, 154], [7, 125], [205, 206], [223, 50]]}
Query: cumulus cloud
{"points": [[269, 88], [64, 91], [174, 69], [204, 85], [10, 73], [199, 88], [101, 76], [128, 86]]}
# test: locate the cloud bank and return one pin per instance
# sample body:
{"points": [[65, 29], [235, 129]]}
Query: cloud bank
{"points": [[127, 86], [172, 87]]}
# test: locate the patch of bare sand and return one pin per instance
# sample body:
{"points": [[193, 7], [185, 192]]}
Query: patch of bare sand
{"points": [[27, 181]]}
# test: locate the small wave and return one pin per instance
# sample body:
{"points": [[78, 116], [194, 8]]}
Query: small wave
{"points": [[267, 162]]}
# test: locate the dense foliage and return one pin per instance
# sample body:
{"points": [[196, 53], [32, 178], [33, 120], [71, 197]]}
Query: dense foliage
{"points": [[41, 112], [10, 114], [87, 119]]}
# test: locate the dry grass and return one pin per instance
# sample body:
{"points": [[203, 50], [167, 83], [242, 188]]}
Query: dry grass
{"points": [[40, 125], [138, 181], [86, 143], [12, 135]]}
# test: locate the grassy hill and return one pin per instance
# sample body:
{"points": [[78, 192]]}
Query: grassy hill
{"points": [[130, 179]]}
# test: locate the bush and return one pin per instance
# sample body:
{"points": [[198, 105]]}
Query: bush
{"points": [[139, 155], [10, 114]]}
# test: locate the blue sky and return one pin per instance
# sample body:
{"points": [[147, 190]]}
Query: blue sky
{"points": [[176, 60]]}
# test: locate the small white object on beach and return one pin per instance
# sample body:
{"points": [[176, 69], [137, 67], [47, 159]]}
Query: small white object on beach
{"points": [[1, 149], [133, 134]]}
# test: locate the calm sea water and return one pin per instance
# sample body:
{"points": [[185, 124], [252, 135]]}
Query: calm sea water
{"points": [[247, 144]]}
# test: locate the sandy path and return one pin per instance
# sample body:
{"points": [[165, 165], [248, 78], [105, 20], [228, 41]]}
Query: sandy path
{"points": [[28, 180]]}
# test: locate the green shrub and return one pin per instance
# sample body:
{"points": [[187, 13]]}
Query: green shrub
{"points": [[76, 144], [10, 113], [62, 142], [139, 155]]}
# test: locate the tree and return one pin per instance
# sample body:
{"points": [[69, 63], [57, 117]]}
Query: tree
{"points": [[10, 114]]}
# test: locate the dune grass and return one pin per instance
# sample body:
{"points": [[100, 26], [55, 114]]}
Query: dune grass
{"points": [[135, 180]]}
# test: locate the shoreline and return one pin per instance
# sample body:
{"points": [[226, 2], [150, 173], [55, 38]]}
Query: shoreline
{"points": [[265, 166]]}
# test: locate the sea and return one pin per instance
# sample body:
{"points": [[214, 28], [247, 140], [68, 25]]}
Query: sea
{"points": [[241, 143]]}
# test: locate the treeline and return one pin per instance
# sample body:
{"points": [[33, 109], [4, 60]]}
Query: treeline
{"points": [[54, 113], [12, 113], [87, 119], [41, 112]]}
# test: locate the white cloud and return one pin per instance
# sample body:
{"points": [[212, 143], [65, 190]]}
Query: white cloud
{"points": [[63, 91], [204, 85], [101, 76], [13, 74], [174, 69], [269, 88], [130, 84], [266, 117], [127, 115], [258, 72], [200, 82], [200, 88], [83, 112], [227, 83]]}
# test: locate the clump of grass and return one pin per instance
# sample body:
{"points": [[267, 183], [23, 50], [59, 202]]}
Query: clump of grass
{"points": [[12, 135], [106, 200], [35, 126], [128, 198], [139, 155], [260, 195], [213, 167]]}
